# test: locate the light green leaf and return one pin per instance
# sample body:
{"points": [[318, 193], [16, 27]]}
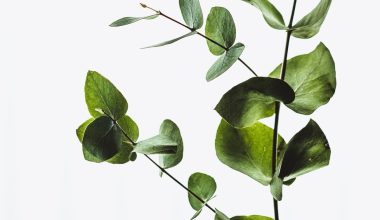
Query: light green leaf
{"points": [[159, 144], [225, 61], [103, 138], [220, 215], [220, 27], [192, 13], [308, 150], [271, 15], [247, 150], [312, 76], [130, 20], [202, 185], [103, 97], [171, 41], [197, 213], [276, 187], [170, 129], [252, 217], [310, 25], [252, 100]]}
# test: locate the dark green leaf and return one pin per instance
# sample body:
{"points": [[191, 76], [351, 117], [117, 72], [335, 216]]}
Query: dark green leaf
{"points": [[271, 15], [159, 144], [252, 217], [130, 20], [252, 100], [310, 25], [124, 154], [308, 150], [289, 182], [170, 129], [247, 150], [220, 27], [192, 13], [220, 215], [312, 76], [103, 97], [202, 185], [103, 138], [80, 133], [225, 61], [171, 41]]}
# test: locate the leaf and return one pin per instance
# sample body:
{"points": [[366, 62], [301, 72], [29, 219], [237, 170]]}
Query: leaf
{"points": [[130, 20], [220, 215], [220, 27], [289, 182], [254, 99], [103, 138], [171, 41], [271, 15], [202, 185], [103, 96], [308, 150], [159, 144], [225, 61], [247, 150], [276, 187], [312, 76], [197, 213], [310, 25], [192, 13], [80, 133], [252, 217], [170, 129], [124, 154]]}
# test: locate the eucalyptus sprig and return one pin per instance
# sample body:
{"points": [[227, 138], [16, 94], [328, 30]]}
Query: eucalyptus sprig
{"points": [[303, 84]]}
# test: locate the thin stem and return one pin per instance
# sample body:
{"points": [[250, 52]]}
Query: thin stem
{"points": [[200, 34], [278, 105]]}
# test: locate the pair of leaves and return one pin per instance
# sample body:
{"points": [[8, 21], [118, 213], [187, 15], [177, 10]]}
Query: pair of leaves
{"points": [[221, 216], [220, 27]]}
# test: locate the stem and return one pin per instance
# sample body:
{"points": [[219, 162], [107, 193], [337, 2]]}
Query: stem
{"points": [[200, 34], [278, 105]]}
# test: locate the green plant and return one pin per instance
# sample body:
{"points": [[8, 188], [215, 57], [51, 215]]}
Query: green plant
{"points": [[303, 84]]}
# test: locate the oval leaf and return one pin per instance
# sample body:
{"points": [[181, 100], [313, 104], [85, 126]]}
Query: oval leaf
{"points": [[308, 150], [80, 133], [159, 144], [220, 27], [103, 138], [247, 150], [171, 41], [130, 20], [271, 15], [170, 129], [202, 185], [252, 100], [192, 13], [252, 217], [103, 96], [310, 25], [312, 76], [225, 61]]}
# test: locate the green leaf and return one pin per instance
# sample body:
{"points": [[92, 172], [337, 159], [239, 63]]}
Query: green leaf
{"points": [[252, 217], [103, 138], [252, 100], [289, 182], [197, 213], [225, 61], [103, 97], [310, 25], [80, 133], [159, 144], [170, 129], [130, 20], [276, 187], [220, 215], [220, 27], [192, 13], [271, 15], [312, 76], [129, 127], [202, 185], [171, 41], [247, 150], [308, 150], [124, 154]]}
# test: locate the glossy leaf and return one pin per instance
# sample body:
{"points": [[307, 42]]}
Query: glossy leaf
{"points": [[252, 100], [103, 96], [271, 15], [171, 41], [192, 13], [220, 215], [312, 76], [247, 150], [310, 25], [220, 27], [170, 129], [225, 61], [202, 185], [159, 144], [130, 20], [251, 217], [308, 150], [103, 138]]}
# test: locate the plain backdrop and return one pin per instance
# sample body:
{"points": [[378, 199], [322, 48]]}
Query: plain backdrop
{"points": [[46, 48]]}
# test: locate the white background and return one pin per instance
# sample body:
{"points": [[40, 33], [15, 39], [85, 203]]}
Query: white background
{"points": [[46, 48]]}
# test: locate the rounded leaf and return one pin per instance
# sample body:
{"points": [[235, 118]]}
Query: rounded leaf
{"points": [[202, 185], [192, 13], [170, 129]]}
